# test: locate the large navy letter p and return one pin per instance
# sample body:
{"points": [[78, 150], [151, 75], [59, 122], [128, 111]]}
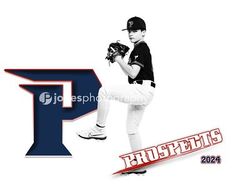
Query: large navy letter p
{"points": [[48, 115]]}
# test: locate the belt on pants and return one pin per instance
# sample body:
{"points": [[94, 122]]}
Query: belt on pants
{"points": [[144, 82]]}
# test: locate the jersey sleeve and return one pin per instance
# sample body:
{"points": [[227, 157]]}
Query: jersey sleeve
{"points": [[139, 57]]}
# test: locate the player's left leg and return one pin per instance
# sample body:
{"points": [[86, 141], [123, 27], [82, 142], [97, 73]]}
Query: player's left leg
{"points": [[134, 116]]}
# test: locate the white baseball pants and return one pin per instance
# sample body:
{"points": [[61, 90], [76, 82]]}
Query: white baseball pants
{"points": [[136, 96]]}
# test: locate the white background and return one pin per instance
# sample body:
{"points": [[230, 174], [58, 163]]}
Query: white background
{"points": [[192, 44]]}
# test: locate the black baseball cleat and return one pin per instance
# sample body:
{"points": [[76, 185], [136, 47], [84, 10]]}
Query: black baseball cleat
{"points": [[135, 172]]}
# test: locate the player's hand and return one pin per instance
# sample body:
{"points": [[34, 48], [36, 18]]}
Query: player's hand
{"points": [[118, 58]]}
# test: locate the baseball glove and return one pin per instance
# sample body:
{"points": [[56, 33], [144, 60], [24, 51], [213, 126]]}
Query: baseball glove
{"points": [[116, 49]]}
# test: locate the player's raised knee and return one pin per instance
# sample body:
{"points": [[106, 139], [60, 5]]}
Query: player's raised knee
{"points": [[102, 94]]}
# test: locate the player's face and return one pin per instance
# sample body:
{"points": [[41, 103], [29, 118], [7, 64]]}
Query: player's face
{"points": [[136, 35]]}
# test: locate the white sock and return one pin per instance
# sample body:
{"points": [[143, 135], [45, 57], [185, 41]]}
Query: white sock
{"points": [[135, 141], [136, 144], [99, 128]]}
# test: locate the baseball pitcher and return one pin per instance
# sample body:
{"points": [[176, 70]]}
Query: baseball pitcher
{"points": [[139, 91]]}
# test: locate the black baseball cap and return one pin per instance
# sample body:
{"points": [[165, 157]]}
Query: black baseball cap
{"points": [[135, 23]]}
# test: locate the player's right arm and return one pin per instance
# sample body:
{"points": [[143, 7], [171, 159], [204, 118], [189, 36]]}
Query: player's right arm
{"points": [[130, 70]]}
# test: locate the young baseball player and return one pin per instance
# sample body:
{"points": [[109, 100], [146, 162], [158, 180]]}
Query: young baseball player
{"points": [[137, 94]]}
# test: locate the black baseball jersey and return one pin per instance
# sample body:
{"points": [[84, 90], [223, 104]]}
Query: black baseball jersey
{"points": [[141, 56]]}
